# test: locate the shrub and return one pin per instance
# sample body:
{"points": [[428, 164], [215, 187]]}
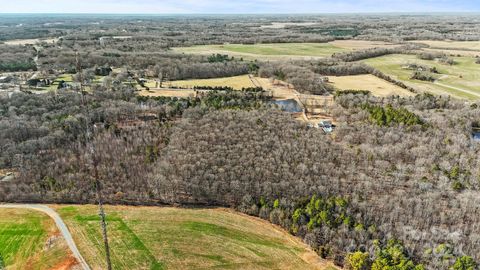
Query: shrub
{"points": [[423, 76], [389, 116], [465, 263], [357, 261]]}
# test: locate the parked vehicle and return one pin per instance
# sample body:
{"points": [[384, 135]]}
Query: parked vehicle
{"points": [[326, 126]]}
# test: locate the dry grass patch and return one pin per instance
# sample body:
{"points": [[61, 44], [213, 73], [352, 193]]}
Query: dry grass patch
{"points": [[167, 93], [377, 86], [236, 82], [30, 41], [470, 45], [279, 89], [361, 44]]}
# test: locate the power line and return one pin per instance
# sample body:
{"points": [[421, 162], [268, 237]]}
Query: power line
{"points": [[98, 188]]}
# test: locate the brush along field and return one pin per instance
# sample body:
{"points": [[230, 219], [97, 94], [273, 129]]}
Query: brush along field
{"points": [[378, 87], [460, 80], [236, 82], [283, 50], [30, 240], [173, 238]]}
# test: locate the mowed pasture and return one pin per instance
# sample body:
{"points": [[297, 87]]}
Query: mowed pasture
{"points": [[283, 50], [173, 238], [378, 87], [30, 240], [460, 80]]}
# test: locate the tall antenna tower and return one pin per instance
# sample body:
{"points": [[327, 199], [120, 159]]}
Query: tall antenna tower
{"points": [[97, 183]]}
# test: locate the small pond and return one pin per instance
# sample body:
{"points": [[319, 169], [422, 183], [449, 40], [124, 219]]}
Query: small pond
{"points": [[288, 105], [476, 135]]}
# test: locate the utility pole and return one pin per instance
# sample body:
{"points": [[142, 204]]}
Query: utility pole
{"points": [[98, 188]]}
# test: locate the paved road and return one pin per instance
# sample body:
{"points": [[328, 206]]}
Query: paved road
{"points": [[60, 224]]}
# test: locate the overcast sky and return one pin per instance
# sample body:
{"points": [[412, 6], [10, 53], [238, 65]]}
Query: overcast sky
{"points": [[232, 6]]}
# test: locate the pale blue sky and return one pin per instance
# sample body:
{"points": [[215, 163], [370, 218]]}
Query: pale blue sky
{"points": [[244, 6]]}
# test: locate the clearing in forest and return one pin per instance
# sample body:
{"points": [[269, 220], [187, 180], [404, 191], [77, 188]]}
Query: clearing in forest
{"points": [[236, 82], [378, 87], [30, 41], [266, 51], [174, 238], [283, 50], [460, 80], [31, 240], [167, 93]]}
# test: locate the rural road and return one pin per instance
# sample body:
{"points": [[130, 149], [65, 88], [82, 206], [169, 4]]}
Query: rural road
{"points": [[60, 224], [458, 89]]}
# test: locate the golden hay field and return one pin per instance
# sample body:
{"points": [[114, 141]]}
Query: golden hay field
{"points": [[184, 93], [30, 41], [375, 85], [236, 82], [352, 44]]}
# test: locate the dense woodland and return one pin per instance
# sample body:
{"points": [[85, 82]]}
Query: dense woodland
{"points": [[170, 31], [17, 58], [404, 169]]}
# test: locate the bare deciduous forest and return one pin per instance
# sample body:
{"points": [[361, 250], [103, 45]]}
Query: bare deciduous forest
{"points": [[395, 186]]}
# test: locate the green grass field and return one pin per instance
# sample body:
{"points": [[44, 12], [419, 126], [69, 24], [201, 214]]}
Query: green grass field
{"points": [[172, 238], [461, 80], [23, 238], [279, 50]]}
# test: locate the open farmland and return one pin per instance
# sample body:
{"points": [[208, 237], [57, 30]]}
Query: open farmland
{"points": [[377, 86], [284, 50], [462, 48], [183, 93], [236, 82], [352, 44], [30, 41], [267, 51], [172, 238], [445, 44], [30, 240], [461, 80]]}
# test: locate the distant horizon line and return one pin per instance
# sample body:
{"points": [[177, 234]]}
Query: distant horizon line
{"points": [[263, 13]]}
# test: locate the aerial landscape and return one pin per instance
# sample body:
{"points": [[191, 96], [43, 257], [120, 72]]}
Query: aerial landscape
{"points": [[267, 134]]}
